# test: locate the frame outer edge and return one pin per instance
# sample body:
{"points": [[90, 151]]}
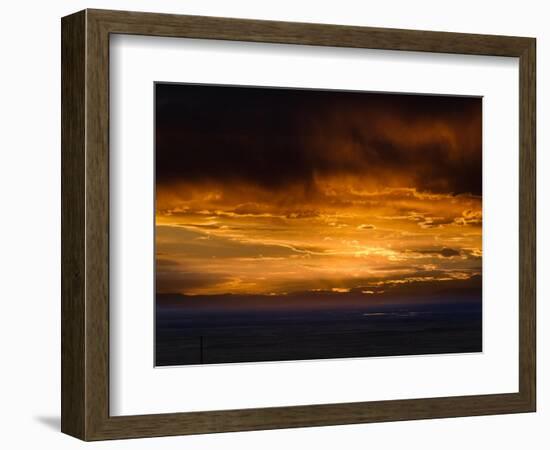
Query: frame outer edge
{"points": [[73, 227], [97, 226], [306, 33], [527, 232]]}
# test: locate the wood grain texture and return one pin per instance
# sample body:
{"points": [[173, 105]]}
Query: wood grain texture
{"points": [[85, 224], [97, 226], [527, 224], [152, 24], [73, 110]]}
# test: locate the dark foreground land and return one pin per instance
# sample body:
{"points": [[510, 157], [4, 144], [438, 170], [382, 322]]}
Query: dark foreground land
{"points": [[194, 336]]}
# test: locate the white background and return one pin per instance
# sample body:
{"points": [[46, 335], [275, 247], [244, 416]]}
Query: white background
{"points": [[30, 231], [136, 387]]}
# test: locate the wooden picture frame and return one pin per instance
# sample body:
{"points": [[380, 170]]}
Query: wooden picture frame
{"points": [[85, 224]]}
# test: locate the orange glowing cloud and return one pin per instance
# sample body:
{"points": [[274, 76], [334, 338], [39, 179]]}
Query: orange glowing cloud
{"points": [[306, 192]]}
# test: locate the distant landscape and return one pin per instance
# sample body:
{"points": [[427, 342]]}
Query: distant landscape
{"points": [[233, 328]]}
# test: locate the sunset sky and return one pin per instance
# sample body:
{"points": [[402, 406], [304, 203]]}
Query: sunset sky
{"points": [[275, 192]]}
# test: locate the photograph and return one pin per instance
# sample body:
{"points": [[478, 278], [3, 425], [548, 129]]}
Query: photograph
{"points": [[302, 224]]}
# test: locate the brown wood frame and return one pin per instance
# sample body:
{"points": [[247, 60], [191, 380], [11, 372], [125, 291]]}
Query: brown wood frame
{"points": [[85, 224]]}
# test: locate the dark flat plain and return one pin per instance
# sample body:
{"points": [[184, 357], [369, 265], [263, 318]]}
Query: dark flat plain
{"points": [[185, 336]]}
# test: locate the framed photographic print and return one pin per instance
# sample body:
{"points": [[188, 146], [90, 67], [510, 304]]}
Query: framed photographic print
{"points": [[271, 224], [365, 230]]}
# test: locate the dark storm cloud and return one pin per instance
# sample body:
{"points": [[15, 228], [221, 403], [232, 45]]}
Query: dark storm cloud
{"points": [[449, 252], [176, 281], [446, 252], [272, 138]]}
